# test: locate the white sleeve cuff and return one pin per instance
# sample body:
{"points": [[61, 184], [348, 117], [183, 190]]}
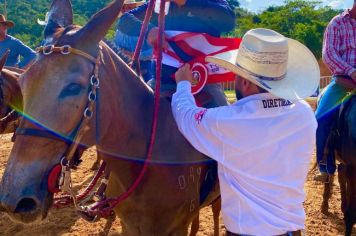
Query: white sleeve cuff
{"points": [[184, 86]]}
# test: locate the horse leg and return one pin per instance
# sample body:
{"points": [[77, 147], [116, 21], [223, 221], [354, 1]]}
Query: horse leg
{"points": [[216, 208], [348, 222], [326, 195], [350, 197], [195, 226], [108, 225], [343, 187]]}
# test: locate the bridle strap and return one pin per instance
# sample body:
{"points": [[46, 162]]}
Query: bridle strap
{"points": [[83, 125], [38, 133], [66, 49]]}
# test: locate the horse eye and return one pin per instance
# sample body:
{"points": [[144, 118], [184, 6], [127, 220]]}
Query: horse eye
{"points": [[71, 90]]}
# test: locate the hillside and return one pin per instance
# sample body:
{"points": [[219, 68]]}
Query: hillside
{"points": [[26, 12], [303, 20]]}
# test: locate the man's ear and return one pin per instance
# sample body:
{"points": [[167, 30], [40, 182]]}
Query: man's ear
{"points": [[247, 84]]}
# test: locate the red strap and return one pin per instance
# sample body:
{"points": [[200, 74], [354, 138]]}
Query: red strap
{"points": [[136, 55]]}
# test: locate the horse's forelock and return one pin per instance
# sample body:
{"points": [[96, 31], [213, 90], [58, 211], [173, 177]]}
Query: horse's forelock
{"points": [[63, 36]]}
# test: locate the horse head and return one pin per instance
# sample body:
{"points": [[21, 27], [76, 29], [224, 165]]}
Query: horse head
{"points": [[55, 96], [10, 95]]}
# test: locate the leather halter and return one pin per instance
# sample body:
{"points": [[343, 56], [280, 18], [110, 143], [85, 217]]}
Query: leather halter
{"points": [[74, 138]]}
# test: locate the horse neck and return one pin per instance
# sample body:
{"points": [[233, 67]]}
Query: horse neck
{"points": [[126, 112], [12, 89], [125, 108]]}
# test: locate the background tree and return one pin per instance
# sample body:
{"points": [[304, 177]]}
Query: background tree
{"points": [[26, 12], [233, 3], [302, 20]]}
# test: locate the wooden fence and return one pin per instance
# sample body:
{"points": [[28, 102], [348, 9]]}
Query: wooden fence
{"points": [[324, 81]]}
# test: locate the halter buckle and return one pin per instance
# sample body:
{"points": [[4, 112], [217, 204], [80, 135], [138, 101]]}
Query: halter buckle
{"points": [[47, 50], [88, 113], [94, 81], [65, 50], [91, 96]]}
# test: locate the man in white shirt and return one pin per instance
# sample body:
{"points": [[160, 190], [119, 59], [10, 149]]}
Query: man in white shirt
{"points": [[264, 142]]}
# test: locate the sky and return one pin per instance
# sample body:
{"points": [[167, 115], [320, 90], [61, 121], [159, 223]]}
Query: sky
{"points": [[259, 5]]}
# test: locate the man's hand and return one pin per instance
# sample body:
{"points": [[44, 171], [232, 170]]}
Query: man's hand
{"points": [[185, 74], [152, 38], [353, 76]]}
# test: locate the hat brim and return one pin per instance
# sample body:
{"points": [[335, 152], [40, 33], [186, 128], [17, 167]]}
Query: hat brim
{"points": [[9, 24], [302, 78]]}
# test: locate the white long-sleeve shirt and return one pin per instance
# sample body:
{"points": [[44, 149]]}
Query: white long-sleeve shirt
{"points": [[263, 146]]}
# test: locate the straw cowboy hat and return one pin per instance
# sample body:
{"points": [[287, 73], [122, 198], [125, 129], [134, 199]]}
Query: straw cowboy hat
{"points": [[282, 66], [8, 23]]}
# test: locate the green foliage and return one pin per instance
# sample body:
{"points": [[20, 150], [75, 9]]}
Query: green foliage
{"points": [[233, 3], [302, 20], [26, 12]]}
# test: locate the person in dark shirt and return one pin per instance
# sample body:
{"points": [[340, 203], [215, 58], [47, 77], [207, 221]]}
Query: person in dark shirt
{"points": [[17, 48], [212, 17]]}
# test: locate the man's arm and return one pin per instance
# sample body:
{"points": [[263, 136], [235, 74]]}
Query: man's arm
{"points": [[26, 52], [130, 22], [331, 51], [198, 125], [217, 14]]}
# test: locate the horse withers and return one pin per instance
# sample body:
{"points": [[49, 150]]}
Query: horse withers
{"points": [[342, 143], [55, 95]]}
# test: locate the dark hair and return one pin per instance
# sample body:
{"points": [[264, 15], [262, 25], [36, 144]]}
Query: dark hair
{"points": [[262, 90]]}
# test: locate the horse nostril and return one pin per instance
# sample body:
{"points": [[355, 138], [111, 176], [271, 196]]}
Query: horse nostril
{"points": [[25, 205]]}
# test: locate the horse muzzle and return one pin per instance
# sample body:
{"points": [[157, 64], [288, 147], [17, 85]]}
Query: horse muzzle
{"points": [[26, 211]]}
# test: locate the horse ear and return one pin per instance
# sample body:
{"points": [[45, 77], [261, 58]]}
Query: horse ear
{"points": [[4, 58], [59, 15], [99, 24]]}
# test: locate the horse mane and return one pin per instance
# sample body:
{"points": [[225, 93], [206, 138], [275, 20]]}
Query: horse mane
{"points": [[126, 58]]}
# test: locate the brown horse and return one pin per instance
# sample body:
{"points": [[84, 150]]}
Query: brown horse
{"points": [[342, 142], [10, 97], [55, 90]]}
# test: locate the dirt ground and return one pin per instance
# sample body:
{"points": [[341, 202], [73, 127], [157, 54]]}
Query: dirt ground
{"points": [[66, 222]]}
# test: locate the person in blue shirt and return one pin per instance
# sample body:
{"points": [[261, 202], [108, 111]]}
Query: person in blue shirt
{"points": [[212, 17], [20, 54]]}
